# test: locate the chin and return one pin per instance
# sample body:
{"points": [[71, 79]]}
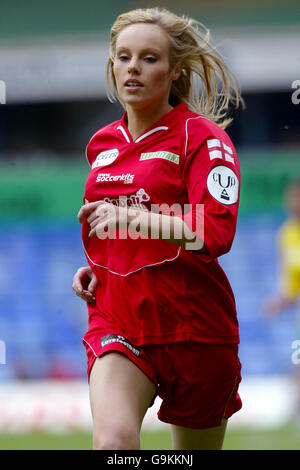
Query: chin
{"points": [[137, 104]]}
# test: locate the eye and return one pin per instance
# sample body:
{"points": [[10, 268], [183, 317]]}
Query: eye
{"points": [[123, 57], [150, 59]]}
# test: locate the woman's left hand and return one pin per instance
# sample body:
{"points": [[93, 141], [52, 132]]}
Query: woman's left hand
{"points": [[101, 215]]}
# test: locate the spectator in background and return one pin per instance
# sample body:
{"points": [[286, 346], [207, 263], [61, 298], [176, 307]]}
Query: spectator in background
{"points": [[289, 262]]}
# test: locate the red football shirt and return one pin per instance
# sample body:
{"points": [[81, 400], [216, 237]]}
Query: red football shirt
{"points": [[150, 290]]}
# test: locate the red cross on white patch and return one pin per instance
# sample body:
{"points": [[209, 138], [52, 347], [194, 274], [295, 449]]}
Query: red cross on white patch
{"points": [[217, 149]]}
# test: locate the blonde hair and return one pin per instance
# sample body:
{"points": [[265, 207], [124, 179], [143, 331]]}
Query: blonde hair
{"points": [[201, 61]]}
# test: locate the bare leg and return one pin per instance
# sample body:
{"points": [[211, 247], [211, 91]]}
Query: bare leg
{"points": [[120, 394], [198, 439]]}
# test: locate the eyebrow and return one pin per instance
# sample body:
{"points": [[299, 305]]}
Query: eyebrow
{"points": [[143, 51]]}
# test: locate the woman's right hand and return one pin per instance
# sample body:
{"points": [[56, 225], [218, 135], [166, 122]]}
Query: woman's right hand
{"points": [[85, 284]]}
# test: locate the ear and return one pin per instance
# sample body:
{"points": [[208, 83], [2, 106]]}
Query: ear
{"points": [[177, 71]]}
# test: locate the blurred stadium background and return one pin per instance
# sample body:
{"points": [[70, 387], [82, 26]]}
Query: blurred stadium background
{"points": [[52, 61]]}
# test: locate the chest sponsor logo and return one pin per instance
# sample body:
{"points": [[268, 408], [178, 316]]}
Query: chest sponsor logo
{"points": [[135, 200], [125, 178], [223, 185], [105, 158], [171, 157], [109, 339]]}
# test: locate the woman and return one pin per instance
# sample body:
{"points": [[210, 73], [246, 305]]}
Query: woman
{"points": [[160, 206]]}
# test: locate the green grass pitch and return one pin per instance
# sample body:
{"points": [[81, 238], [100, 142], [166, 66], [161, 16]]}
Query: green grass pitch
{"points": [[287, 438]]}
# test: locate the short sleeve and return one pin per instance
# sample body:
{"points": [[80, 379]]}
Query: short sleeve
{"points": [[212, 178]]}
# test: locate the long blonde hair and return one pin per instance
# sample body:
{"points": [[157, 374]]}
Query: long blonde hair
{"points": [[204, 68]]}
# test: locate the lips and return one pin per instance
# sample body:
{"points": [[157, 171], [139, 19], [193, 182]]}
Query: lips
{"points": [[133, 83]]}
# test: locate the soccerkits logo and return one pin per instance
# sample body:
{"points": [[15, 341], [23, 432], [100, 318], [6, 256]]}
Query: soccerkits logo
{"points": [[223, 185], [124, 178]]}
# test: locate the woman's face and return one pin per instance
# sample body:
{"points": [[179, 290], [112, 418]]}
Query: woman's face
{"points": [[141, 66]]}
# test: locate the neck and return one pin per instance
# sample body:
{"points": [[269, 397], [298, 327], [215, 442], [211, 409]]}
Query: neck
{"points": [[141, 119]]}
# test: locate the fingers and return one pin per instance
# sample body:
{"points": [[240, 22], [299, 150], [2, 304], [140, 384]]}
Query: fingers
{"points": [[86, 296], [83, 278], [80, 277], [93, 284], [98, 228], [101, 211], [98, 215], [87, 209], [97, 219], [94, 222]]}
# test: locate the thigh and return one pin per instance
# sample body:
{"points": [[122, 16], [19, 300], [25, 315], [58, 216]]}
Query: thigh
{"points": [[120, 393], [198, 439]]}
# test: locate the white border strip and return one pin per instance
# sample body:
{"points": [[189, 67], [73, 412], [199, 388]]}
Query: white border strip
{"points": [[89, 346], [186, 131], [124, 133], [161, 128], [138, 269]]}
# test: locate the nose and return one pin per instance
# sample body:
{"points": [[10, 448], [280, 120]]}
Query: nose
{"points": [[134, 66]]}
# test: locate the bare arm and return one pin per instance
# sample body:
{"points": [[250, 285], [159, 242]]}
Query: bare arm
{"points": [[101, 215]]}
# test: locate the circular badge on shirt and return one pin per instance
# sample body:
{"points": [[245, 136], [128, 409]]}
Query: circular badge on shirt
{"points": [[105, 158], [223, 184]]}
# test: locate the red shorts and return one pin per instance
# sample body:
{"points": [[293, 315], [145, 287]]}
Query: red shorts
{"points": [[197, 382]]}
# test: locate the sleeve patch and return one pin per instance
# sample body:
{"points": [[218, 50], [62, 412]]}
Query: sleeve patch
{"points": [[223, 185], [217, 149]]}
